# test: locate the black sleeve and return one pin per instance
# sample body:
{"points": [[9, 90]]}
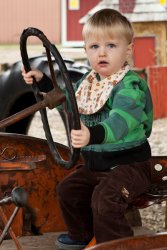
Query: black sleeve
{"points": [[97, 134]]}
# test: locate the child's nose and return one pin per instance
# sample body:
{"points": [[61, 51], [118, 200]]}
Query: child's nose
{"points": [[102, 51]]}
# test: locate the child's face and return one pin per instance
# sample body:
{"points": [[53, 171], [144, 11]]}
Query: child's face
{"points": [[107, 55]]}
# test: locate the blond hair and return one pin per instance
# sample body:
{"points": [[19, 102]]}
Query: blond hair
{"points": [[108, 22]]}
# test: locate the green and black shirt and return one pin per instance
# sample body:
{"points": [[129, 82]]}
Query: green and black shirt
{"points": [[119, 131]]}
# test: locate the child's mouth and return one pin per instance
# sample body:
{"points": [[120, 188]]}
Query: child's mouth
{"points": [[101, 63]]}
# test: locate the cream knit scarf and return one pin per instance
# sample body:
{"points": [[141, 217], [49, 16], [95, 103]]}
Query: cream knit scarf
{"points": [[93, 94]]}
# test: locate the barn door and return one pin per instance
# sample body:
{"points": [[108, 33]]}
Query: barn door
{"points": [[144, 52]]}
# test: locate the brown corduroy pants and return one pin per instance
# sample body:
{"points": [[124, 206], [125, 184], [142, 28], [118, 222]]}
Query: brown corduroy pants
{"points": [[94, 203]]}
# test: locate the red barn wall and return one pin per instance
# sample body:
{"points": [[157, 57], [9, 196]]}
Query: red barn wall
{"points": [[17, 15]]}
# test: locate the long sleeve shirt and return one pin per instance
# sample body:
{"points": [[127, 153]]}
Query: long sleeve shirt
{"points": [[119, 131]]}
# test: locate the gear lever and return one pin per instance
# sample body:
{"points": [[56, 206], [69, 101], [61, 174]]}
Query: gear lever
{"points": [[19, 198]]}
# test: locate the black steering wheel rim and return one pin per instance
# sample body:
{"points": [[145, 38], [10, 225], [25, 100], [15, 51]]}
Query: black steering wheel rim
{"points": [[74, 156]]}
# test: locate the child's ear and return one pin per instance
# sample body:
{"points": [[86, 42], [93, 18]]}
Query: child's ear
{"points": [[129, 53], [130, 49]]}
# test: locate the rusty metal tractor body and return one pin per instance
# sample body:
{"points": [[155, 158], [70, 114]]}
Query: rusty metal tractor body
{"points": [[39, 178]]}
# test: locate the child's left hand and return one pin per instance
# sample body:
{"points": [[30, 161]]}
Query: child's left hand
{"points": [[80, 138]]}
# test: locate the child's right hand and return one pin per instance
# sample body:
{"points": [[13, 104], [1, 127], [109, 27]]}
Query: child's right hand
{"points": [[28, 77]]}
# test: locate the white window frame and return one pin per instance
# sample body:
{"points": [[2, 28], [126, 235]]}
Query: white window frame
{"points": [[64, 41]]}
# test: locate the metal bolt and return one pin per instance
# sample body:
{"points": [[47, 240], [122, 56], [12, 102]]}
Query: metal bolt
{"points": [[164, 178], [158, 167]]}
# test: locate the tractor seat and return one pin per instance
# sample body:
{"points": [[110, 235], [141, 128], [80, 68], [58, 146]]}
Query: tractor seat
{"points": [[158, 190]]}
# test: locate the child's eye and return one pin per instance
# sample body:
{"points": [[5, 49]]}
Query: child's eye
{"points": [[94, 46], [111, 45]]}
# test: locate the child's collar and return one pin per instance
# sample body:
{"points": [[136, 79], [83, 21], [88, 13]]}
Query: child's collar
{"points": [[93, 93]]}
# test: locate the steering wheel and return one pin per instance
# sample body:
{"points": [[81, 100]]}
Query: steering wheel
{"points": [[74, 123]]}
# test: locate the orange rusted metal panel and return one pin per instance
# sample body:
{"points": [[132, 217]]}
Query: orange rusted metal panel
{"points": [[91, 243], [156, 241], [42, 212]]}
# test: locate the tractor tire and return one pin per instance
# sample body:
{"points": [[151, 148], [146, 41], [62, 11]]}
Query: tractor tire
{"points": [[16, 95]]}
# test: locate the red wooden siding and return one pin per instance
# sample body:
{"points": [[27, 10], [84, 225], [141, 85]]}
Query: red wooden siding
{"points": [[157, 78], [74, 28], [17, 15], [144, 52]]}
